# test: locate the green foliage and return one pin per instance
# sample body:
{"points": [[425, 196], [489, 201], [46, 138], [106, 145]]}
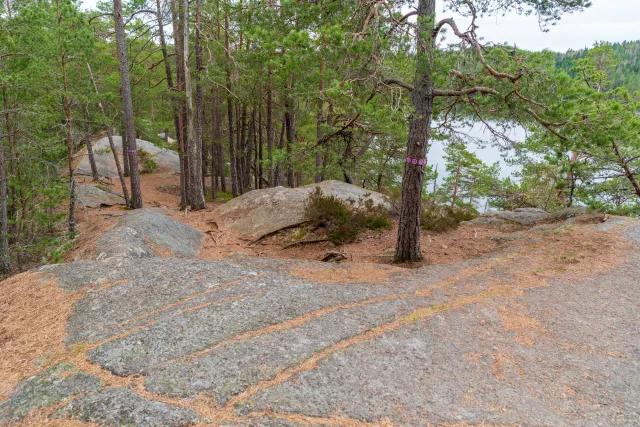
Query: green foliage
{"points": [[468, 179], [344, 223], [625, 65], [147, 162], [356, 124], [537, 186], [439, 218]]}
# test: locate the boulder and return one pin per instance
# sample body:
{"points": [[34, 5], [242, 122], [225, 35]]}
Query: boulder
{"points": [[347, 193], [146, 233], [262, 212], [567, 213], [91, 196], [520, 217], [167, 160]]}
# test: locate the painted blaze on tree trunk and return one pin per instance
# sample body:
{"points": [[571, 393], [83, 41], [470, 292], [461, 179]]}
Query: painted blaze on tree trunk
{"points": [[408, 243]]}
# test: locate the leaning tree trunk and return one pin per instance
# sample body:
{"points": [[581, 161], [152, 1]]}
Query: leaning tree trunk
{"points": [[127, 107], [627, 170], [87, 142], [125, 191], [5, 259], [408, 242]]}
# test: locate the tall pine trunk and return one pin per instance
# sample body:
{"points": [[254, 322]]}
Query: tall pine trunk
{"points": [[289, 115], [260, 151], [251, 134], [69, 134], [241, 113], [271, 135], [127, 107], [232, 142], [180, 73], [279, 172], [169, 74], [408, 242], [5, 259], [320, 121], [195, 193], [217, 147]]}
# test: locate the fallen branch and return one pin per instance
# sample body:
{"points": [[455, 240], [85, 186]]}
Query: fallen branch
{"points": [[305, 242]]}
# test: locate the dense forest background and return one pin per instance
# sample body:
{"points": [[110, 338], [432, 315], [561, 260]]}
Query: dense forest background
{"points": [[626, 72]]}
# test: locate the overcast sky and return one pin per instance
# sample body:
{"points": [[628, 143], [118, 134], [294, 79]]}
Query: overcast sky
{"points": [[606, 20]]}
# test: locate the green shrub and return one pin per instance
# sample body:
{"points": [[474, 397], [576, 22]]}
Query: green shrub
{"points": [[341, 222], [444, 218], [147, 162]]}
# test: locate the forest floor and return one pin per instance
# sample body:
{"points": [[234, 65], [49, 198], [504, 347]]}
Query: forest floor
{"points": [[534, 327], [160, 190]]}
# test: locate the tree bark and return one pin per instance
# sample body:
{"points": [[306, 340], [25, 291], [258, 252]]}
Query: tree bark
{"points": [[408, 242], [241, 113], [278, 172], [260, 153], [320, 121], [195, 195], [125, 152], [169, 74], [289, 116], [232, 148], [125, 191], [87, 142], [5, 258], [69, 135], [178, 32], [127, 107], [271, 136], [251, 140], [627, 170], [218, 136]]}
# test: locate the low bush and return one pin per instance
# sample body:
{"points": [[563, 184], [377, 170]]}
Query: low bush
{"points": [[343, 223], [444, 218], [147, 162]]}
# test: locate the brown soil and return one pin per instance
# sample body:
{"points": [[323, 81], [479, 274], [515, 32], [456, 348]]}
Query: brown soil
{"points": [[159, 191], [467, 242]]}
